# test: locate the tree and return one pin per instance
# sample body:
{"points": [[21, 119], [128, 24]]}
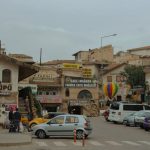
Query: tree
{"points": [[135, 75]]}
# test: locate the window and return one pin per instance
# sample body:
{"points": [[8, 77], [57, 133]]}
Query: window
{"points": [[40, 93], [6, 76], [133, 107], [109, 78], [71, 119], [58, 120], [67, 93], [47, 93], [147, 107], [118, 79], [115, 106]]}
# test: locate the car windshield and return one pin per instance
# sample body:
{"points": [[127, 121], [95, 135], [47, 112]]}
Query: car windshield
{"points": [[115, 106]]}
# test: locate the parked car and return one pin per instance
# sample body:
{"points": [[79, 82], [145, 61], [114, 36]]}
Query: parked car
{"points": [[130, 119], [118, 110], [139, 119], [45, 118], [64, 125], [146, 123], [125, 119]]}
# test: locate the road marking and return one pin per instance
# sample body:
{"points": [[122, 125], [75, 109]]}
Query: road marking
{"points": [[113, 143], [59, 143], [41, 143], [96, 143], [144, 142], [77, 143], [131, 143]]}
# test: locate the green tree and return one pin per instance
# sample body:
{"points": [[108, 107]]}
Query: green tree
{"points": [[135, 75]]}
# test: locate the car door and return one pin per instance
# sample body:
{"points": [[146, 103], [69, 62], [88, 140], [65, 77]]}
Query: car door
{"points": [[56, 126], [71, 123]]}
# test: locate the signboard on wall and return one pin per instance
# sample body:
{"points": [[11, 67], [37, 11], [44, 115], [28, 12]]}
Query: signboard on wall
{"points": [[49, 99], [5, 89], [77, 82], [8, 106], [71, 66], [87, 72]]}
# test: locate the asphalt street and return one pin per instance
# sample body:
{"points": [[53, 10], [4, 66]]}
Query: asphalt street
{"points": [[105, 136]]}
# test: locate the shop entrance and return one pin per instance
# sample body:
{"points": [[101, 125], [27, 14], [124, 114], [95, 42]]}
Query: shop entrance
{"points": [[76, 110], [51, 108]]}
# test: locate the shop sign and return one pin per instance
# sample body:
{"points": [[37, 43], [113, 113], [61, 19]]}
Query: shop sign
{"points": [[5, 89], [43, 77], [49, 99], [80, 82], [71, 66], [10, 106], [87, 72]]}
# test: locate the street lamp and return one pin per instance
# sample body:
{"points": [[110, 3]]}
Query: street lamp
{"points": [[105, 36], [102, 65]]}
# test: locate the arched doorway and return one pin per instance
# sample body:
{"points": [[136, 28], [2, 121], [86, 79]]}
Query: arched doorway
{"points": [[84, 96]]}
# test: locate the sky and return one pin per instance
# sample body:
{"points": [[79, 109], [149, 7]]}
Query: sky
{"points": [[64, 27]]}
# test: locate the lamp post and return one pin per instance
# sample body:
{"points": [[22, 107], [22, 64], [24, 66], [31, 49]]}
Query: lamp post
{"points": [[105, 36], [102, 65]]}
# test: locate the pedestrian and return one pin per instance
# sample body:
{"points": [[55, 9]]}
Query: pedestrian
{"points": [[11, 120], [17, 119], [108, 103]]}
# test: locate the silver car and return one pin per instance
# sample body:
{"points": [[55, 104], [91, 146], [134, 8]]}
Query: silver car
{"points": [[130, 119], [64, 125]]}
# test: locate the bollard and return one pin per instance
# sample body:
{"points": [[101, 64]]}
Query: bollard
{"points": [[83, 140], [75, 135]]}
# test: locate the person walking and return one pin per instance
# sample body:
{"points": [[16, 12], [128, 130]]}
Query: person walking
{"points": [[17, 119]]}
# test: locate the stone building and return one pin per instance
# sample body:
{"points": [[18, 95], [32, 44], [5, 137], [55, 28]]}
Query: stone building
{"points": [[112, 74], [125, 57], [141, 51], [103, 54], [65, 85], [11, 72]]}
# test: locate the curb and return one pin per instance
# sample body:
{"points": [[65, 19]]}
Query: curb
{"points": [[15, 144], [14, 140]]}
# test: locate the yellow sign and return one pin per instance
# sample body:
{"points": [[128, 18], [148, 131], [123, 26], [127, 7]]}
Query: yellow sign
{"points": [[87, 72], [71, 66]]}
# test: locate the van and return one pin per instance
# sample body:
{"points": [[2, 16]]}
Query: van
{"points": [[118, 110]]}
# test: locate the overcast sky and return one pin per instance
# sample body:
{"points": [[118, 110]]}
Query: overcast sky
{"points": [[63, 27]]}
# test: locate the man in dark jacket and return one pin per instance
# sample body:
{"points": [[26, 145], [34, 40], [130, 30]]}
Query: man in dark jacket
{"points": [[11, 120], [11, 115], [17, 118]]}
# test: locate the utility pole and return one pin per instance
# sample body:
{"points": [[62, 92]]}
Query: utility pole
{"points": [[40, 56]]}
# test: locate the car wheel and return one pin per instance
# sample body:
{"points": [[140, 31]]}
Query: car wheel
{"points": [[41, 134], [79, 134], [146, 129], [86, 136], [32, 125]]}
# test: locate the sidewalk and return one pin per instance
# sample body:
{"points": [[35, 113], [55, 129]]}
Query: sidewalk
{"points": [[12, 139]]}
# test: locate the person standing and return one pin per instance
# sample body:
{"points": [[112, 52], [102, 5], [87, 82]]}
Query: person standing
{"points": [[17, 119], [11, 119]]}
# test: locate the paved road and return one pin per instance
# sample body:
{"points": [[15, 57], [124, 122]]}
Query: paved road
{"points": [[106, 136]]}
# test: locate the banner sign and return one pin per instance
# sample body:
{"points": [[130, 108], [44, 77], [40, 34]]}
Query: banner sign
{"points": [[87, 72], [80, 82], [71, 66]]}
